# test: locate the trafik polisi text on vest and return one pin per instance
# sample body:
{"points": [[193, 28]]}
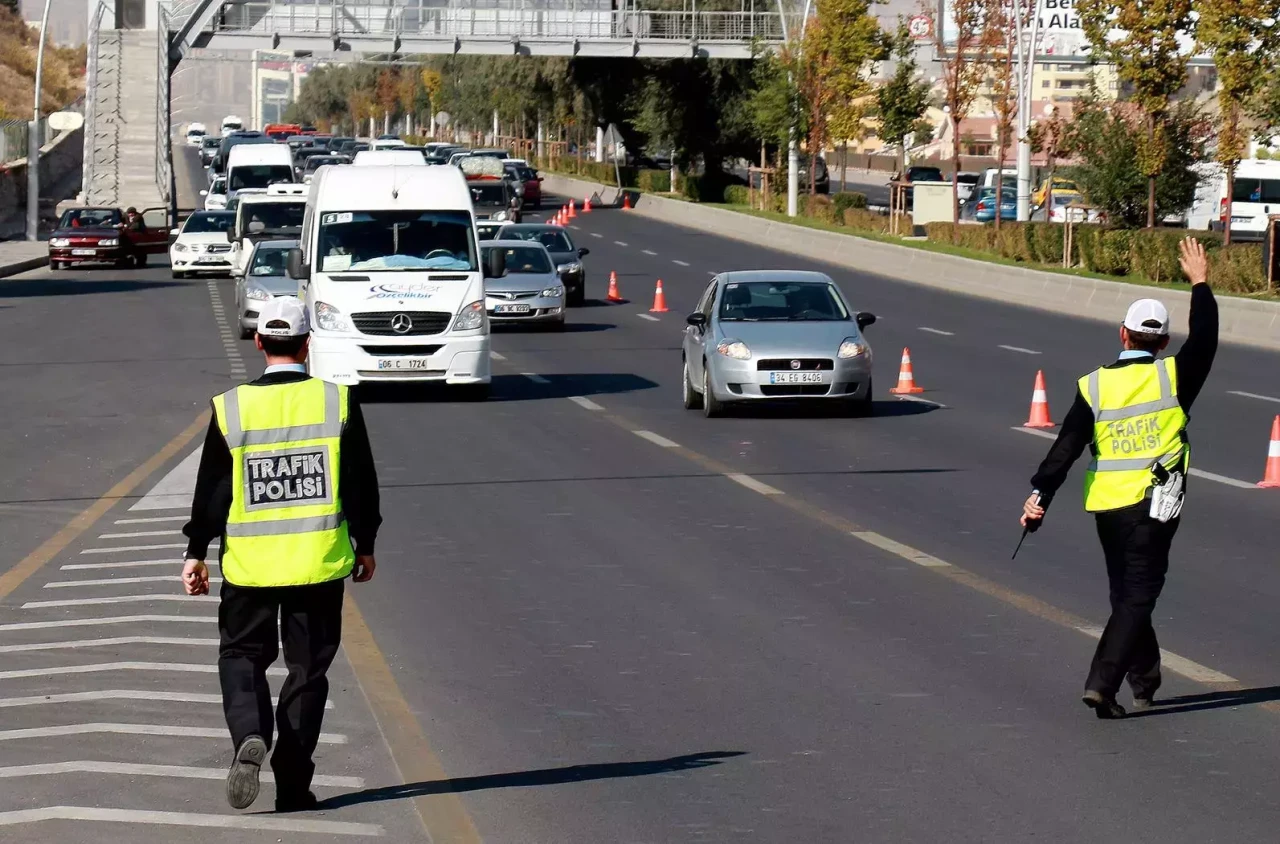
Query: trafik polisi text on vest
{"points": [[1130, 435]]}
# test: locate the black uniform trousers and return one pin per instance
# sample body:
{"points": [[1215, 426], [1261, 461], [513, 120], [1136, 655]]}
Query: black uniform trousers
{"points": [[1136, 547], [251, 621]]}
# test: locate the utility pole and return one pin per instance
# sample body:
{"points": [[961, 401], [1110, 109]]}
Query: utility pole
{"points": [[33, 138], [793, 149]]}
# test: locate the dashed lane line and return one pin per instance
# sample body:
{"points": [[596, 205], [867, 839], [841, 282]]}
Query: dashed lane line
{"points": [[922, 400], [596, 234], [1258, 396], [649, 317], [127, 564], [100, 667], [1018, 349], [937, 331], [535, 378], [585, 403], [267, 823], [920, 558], [647, 252], [135, 769], [150, 520], [135, 534], [496, 356], [753, 484], [115, 619], [681, 263], [100, 643], [111, 581], [175, 730], [620, 242], [123, 694], [656, 439], [120, 599]]}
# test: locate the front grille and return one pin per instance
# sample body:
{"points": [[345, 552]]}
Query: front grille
{"points": [[806, 364], [218, 247], [794, 389], [401, 351], [529, 314], [509, 296], [423, 322]]}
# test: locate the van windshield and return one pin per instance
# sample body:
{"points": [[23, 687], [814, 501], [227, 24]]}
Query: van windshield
{"points": [[396, 241], [1256, 190], [271, 216], [258, 175]]}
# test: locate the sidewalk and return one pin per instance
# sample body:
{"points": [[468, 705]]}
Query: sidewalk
{"points": [[18, 256]]}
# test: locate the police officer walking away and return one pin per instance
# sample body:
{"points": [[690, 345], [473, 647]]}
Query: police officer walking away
{"points": [[1133, 414], [287, 480]]}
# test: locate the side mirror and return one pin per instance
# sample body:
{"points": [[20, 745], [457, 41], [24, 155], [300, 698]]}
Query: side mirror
{"points": [[173, 232], [295, 267], [583, 252], [495, 263], [231, 235], [864, 319], [697, 319]]}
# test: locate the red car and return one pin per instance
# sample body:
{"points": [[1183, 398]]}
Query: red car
{"points": [[100, 236]]}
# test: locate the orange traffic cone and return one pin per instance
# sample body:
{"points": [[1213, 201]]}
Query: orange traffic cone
{"points": [[1039, 417], [906, 378], [659, 300], [586, 205], [1271, 478], [626, 201], [614, 294], [573, 213]]}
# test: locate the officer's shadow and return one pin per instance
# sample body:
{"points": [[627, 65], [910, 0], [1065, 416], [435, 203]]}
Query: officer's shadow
{"points": [[1209, 700]]}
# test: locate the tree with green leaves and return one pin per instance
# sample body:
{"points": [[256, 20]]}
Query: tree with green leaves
{"points": [[1002, 17], [902, 101], [964, 67], [1241, 36], [1151, 63]]}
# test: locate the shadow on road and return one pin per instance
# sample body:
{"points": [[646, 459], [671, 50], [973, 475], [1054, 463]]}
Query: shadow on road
{"points": [[526, 779], [1210, 700], [822, 409], [534, 328], [31, 288], [510, 388]]}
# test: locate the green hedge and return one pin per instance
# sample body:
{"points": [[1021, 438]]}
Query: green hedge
{"points": [[737, 195], [848, 199], [654, 181]]}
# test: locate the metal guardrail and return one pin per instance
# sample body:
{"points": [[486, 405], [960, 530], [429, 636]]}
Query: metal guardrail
{"points": [[91, 100], [164, 143]]}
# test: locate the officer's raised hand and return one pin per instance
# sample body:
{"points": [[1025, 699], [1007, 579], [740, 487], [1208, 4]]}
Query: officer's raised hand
{"points": [[1032, 510], [1193, 260]]}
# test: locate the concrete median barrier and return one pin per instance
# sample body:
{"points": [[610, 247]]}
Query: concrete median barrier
{"points": [[1246, 321]]}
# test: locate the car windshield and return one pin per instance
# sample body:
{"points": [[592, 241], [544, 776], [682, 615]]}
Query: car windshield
{"points": [[208, 222], [924, 174], [554, 241], [396, 240], [209, 143], [487, 232], [218, 186], [525, 260], [317, 161], [1065, 198], [760, 301], [489, 194], [272, 216], [269, 261], [90, 218], [259, 175]]}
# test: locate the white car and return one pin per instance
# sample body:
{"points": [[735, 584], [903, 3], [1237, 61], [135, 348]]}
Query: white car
{"points": [[202, 246], [215, 198]]}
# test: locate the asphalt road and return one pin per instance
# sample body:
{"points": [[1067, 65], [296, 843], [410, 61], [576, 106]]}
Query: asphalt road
{"points": [[602, 636]]}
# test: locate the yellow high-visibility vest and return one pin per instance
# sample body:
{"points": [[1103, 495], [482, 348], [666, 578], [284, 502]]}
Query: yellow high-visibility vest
{"points": [[286, 526], [1137, 422]]}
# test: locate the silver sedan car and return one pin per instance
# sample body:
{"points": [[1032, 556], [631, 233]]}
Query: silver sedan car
{"points": [[765, 335], [531, 290], [264, 280]]}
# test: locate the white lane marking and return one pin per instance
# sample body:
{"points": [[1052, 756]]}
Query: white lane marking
{"points": [[752, 484], [94, 643], [128, 564], [906, 552], [681, 263], [596, 234], [1195, 473], [1190, 669], [150, 519], [173, 491], [91, 766], [101, 667], [135, 548], [1258, 396], [114, 619], [921, 400], [647, 252], [620, 242], [496, 356], [122, 694], [656, 439], [1018, 349], [649, 317], [117, 599], [575, 228], [110, 581], [584, 402], [535, 378], [269, 823], [137, 533], [937, 331]]}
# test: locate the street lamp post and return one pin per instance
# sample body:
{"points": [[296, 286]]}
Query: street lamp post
{"points": [[34, 139], [1026, 73], [793, 149]]}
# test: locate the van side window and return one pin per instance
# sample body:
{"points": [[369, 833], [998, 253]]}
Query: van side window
{"points": [[1256, 190]]}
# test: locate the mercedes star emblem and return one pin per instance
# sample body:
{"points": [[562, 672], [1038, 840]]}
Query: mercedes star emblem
{"points": [[795, 364], [401, 324]]}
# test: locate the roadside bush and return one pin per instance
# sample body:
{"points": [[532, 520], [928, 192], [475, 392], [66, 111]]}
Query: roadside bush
{"points": [[1237, 268], [1011, 241], [709, 187], [848, 199], [654, 181], [820, 208], [864, 220], [737, 195], [1046, 241], [1155, 254]]}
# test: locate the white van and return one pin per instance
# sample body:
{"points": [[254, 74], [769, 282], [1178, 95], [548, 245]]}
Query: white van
{"points": [[274, 215], [255, 167], [402, 157], [1256, 194], [195, 134], [390, 271], [231, 123], [386, 143]]}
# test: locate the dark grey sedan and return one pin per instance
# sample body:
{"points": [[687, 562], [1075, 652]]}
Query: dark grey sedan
{"points": [[568, 258]]}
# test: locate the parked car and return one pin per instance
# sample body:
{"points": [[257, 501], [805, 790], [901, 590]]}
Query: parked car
{"points": [[1060, 184], [985, 209], [965, 184], [102, 236]]}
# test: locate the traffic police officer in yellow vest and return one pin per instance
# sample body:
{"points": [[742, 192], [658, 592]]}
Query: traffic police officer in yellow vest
{"points": [[1132, 415], [287, 481]]}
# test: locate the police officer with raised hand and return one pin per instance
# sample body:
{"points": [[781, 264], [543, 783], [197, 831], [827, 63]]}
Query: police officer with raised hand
{"points": [[1132, 414], [287, 480]]}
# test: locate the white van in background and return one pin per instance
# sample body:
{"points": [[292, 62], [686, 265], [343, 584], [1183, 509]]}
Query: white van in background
{"points": [[390, 270], [231, 123], [255, 167], [386, 143], [195, 134], [274, 215], [1255, 195], [402, 157]]}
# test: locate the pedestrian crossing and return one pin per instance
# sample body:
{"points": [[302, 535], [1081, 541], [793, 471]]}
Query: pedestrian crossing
{"points": [[110, 712]]}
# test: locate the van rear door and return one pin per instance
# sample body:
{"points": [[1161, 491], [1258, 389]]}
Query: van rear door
{"points": [[1253, 198]]}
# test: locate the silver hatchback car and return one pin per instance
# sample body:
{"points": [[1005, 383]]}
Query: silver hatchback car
{"points": [[764, 335]]}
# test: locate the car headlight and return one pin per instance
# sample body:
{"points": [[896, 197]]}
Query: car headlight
{"points": [[471, 317], [553, 292], [501, 215], [851, 348], [59, 242], [179, 247], [109, 241], [571, 267], [735, 349], [257, 293], [329, 318]]}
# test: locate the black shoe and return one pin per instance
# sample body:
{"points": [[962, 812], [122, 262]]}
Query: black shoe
{"points": [[242, 779], [1103, 706], [1144, 688], [1141, 704], [305, 802]]}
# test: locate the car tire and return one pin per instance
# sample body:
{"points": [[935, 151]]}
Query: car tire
{"points": [[140, 260], [474, 392], [557, 327], [577, 298], [179, 275], [863, 407], [692, 398], [56, 265], [246, 333], [711, 406]]}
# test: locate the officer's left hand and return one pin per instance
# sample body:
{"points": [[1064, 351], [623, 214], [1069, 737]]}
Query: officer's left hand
{"points": [[195, 577]]}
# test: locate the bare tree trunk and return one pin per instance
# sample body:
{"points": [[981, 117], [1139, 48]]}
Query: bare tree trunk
{"points": [[955, 183], [1000, 142], [1151, 180]]}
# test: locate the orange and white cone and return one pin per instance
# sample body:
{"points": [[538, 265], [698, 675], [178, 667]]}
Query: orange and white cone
{"points": [[573, 213], [659, 300], [586, 205], [1039, 417], [1271, 477], [614, 294], [626, 201], [906, 377]]}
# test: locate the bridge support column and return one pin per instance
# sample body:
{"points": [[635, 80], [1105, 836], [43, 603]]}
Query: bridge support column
{"points": [[541, 139], [600, 144]]}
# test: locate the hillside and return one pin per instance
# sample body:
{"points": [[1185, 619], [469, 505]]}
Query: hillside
{"points": [[63, 70]]}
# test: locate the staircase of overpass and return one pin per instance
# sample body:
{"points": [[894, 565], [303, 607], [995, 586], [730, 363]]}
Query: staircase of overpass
{"points": [[128, 154]]}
